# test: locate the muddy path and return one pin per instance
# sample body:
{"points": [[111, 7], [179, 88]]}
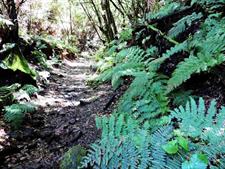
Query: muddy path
{"points": [[67, 109]]}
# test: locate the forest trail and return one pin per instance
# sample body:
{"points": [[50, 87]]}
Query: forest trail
{"points": [[67, 109]]}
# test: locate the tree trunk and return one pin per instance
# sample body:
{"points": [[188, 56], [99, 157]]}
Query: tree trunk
{"points": [[13, 35], [110, 26]]}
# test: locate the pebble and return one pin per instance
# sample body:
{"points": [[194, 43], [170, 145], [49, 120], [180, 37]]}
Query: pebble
{"points": [[72, 121]]}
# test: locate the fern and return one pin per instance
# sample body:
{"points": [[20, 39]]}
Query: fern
{"points": [[130, 137], [158, 155], [6, 93], [40, 58], [193, 65], [181, 97], [165, 11], [145, 104], [209, 54], [184, 71], [15, 113], [148, 103], [108, 74], [209, 4], [185, 22], [54, 43], [206, 124], [126, 34], [125, 145], [135, 60], [133, 54], [122, 145], [155, 64], [30, 89]]}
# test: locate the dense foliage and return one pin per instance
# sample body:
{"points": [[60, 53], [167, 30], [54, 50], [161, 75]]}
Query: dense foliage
{"points": [[160, 49], [163, 52]]}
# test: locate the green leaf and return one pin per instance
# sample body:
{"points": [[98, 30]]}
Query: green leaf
{"points": [[183, 143], [203, 158], [16, 61], [171, 147]]}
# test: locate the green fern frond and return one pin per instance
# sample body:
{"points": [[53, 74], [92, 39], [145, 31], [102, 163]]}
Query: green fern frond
{"points": [[123, 144], [40, 57], [209, 4], [8, 89], [176, 49], [135, 60], [190, 66], [165, 11], [155, 64], [184, 71], [117, 78], [126, 34], [148, 103], [132, 54], [132, 147], [158, 155], [15, 113], [108, 74], [181, 97], [30, 89], [185, 22], [6, 93]]}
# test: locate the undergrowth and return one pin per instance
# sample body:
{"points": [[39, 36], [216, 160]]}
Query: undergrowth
{"points": [[15, 112], [142, 132]]}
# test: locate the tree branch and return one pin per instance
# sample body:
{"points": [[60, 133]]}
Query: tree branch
{"points": [[91, 20]]}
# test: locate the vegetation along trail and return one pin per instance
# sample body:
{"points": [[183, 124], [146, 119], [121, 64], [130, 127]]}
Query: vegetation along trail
{"points": [[112, 84]]}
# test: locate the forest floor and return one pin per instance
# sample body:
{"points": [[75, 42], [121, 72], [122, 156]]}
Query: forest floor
{"points": [[65, 117]]}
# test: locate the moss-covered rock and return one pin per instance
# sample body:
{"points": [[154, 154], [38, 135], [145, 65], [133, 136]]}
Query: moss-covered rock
{"points": [[72, 158]]}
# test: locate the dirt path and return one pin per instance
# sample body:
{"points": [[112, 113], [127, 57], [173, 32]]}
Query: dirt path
{"points": [[65, 118]]}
